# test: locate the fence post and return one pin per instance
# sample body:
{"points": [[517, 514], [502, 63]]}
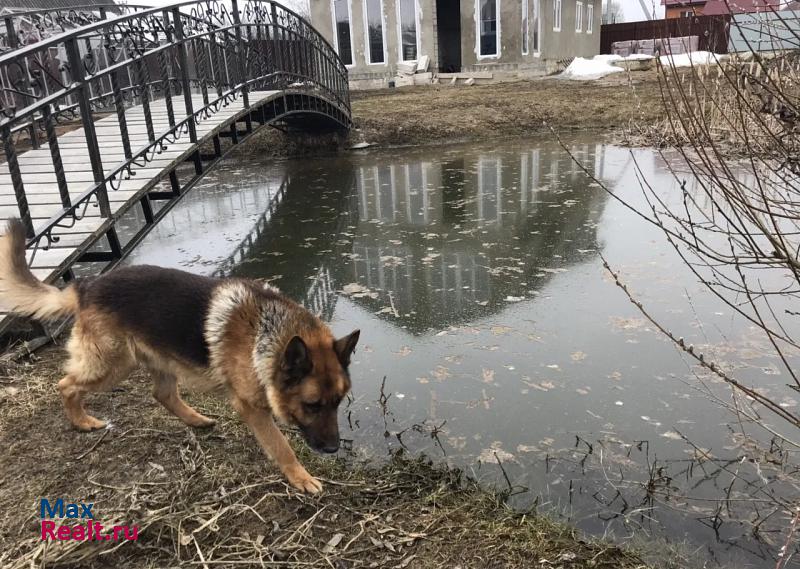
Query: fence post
{"points": [[279, 67], [16, 180], [13, 41], [240, 52], [183, 63], [80, 77], [55, 155]]}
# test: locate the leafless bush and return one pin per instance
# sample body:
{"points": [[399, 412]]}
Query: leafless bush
{"points": [[739, 105], [734, 128], [732, 140], [738, 228]]}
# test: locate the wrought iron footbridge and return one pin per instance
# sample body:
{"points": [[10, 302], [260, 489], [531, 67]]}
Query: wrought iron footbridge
{"points": [[129, 108]]}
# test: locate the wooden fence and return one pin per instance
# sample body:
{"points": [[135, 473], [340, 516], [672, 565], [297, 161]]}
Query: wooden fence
{"points": [[712, 31]]}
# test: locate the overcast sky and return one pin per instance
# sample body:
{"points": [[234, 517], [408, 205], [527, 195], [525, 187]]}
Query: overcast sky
{"points": [[633, 9]]}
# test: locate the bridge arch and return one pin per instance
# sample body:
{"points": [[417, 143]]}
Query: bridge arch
{"points": [[132, 110]]}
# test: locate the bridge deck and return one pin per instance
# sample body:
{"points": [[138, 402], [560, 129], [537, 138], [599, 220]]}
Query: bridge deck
{"points": [[42, 190]]}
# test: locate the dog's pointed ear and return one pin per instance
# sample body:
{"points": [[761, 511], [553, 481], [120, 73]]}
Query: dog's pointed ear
{"points": [[344, 347], [297, 359]]}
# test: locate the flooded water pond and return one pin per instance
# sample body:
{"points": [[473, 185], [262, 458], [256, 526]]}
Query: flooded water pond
{"points": [[494, 340]]}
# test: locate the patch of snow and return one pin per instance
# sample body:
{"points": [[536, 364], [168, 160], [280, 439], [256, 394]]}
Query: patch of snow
{"points": [[608, 57], [582, 69], [690, 59], [638, 56], [611, 57]]}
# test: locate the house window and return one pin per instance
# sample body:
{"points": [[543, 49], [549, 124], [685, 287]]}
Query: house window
{"points": [[589, 18], [373, 21], [488, 30], [535, 26], [556, 15], [579, 17], [687, 13], [344, 44], [407, 18], [524, 27]]}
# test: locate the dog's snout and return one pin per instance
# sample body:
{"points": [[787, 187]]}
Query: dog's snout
{"points": [[330, 449]]}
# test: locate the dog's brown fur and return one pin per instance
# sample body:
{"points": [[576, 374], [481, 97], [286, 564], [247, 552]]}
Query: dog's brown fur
{"points": [[272, 356]]}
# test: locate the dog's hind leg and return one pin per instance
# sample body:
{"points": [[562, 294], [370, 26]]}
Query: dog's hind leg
{"points": [[165, 390], [73, 391], [96, 362]]}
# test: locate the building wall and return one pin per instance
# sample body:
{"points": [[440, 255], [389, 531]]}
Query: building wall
{"points": [[553, 45], [568, 42], [510, 36], [361, 69], [680, 11]]}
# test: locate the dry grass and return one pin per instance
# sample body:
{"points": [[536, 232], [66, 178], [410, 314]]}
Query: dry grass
{"points": [[443, 114], [729, 106], [210, 499]]}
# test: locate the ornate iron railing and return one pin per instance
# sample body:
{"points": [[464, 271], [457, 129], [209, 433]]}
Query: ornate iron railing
{"points": [[21, 28], [215, 51]]}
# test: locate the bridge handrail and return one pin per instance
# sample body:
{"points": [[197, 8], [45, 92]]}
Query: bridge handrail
{"points": [[213, 13], [169, 53], [77, 7], [213, 5], [28, 111], [78, 15]]}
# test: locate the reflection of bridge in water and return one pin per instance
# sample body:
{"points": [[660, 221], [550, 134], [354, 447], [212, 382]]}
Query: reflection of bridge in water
{"points": [[243, 249], [437, 242]]}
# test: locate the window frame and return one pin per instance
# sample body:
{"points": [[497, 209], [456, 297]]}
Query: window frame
{"points": [[367, 49], [526, 27], [336, 31], [557, 10], [478, 21], [579, 17], [400, 31], [537, 22], [589, 17]]}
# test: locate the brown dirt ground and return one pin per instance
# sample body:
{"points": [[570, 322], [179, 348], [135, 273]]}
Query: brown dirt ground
{"points": [[441, 114], [425, 115], [209, 498]]}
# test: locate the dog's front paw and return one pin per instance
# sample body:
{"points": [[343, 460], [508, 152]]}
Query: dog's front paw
{"points": [[303, 481]]}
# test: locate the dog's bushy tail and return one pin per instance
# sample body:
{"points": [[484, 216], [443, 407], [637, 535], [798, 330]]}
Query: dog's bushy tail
{"points": [[20, 291]]}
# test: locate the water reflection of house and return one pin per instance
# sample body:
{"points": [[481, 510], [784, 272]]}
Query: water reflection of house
{"points": [[396, 192], [450, 281], [436, 243], [295, 242], [444, 241]]}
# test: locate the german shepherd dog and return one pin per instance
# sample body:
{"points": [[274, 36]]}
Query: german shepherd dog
{"points": [[274, 358]]}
